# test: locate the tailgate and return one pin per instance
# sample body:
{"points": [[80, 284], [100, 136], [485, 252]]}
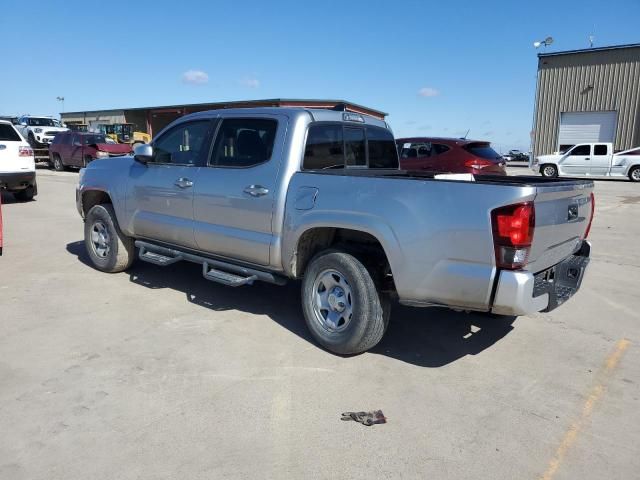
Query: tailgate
{"points": [[563, 212]]}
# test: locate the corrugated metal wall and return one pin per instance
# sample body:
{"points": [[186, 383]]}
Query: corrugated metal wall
{"points": [[588, 81]]}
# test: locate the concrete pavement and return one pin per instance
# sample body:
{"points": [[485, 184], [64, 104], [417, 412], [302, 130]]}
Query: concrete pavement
{"points": [[158, 373]]}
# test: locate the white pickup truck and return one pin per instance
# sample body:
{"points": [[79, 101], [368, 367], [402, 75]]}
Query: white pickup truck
{"points": [[590, 160]]}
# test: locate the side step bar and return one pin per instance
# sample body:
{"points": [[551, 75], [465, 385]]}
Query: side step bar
{"points": [[218, 271]]}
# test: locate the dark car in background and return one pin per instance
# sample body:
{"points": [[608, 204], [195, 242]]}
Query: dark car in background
{"points": [[449, 155], [516, 156], [77, 149]]}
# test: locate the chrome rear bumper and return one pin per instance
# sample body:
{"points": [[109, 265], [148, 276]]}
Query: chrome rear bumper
{"points": [[522, 293]]}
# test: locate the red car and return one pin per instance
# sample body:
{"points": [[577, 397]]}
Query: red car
{"points": [[449, 155], [77, 149]]}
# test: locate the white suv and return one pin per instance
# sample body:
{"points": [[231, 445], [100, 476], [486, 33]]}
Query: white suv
{"points": [[17, 164], [39, 131]]}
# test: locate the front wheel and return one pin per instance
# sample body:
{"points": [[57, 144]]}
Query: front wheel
{"points": [[343, 309], [549, 171], [110, 250], [634, 174]]}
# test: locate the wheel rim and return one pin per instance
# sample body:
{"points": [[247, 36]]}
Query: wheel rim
{"points": [[100, 239], [636, 175], [57, 163], [549, 171], [332, 301]]}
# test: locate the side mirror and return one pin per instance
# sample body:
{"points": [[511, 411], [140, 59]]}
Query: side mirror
{"points": [[143, 153]]}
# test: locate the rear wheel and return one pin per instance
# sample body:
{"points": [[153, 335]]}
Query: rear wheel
{"points": [[549, 171], [634, 174], [343, 309], [57, 163], [110, 250]]}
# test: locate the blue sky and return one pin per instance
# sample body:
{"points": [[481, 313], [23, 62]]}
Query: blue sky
{"points": [[438, 68]]}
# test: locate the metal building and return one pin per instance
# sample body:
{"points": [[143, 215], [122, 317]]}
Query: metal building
{"points": [[153, 119], [588, 95]]}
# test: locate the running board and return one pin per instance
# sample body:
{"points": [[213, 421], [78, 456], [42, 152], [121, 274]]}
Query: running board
{"points": [[226, 278], [157, 258], [215, 270]]}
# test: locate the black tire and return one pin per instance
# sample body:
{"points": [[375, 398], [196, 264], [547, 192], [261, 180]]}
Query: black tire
{"points": [[57, 163], [119, 251], [370, 309], [87, 161], [634, 174], [25, 195], [549, 170]]}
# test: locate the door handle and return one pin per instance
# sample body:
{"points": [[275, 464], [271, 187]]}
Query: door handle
{"points": [[587, 158], [183, 183], [256, 190]]}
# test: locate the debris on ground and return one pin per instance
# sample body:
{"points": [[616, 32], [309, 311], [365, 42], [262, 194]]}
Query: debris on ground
{"points": [[366, 418]]}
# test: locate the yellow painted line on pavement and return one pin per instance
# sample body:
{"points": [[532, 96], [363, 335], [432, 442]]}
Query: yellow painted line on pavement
{"points": [[596, 393]]}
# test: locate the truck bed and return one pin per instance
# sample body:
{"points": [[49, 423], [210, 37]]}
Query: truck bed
{"points": [[438, 233]]}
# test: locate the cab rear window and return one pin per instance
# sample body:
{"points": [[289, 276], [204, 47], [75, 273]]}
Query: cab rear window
{"points": [[8, 133], [332, 146]]}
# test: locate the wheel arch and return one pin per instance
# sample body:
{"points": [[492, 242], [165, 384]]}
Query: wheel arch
{"points": [[91, 198], [362, 244]]}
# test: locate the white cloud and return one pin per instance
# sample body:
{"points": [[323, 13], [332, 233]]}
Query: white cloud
{"points": [[428, 92], [195, 77], [250, 82]]}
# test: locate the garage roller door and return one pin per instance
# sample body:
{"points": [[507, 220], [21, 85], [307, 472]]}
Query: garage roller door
{"points": [[587, 127]]}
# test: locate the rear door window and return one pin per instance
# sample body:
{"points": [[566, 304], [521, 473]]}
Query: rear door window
{"points": [[439, 148], [8, 133], [600, 150], [244, 142]]}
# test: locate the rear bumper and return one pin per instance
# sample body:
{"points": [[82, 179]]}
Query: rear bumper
{"points": [[15, 181], [522, 293]]}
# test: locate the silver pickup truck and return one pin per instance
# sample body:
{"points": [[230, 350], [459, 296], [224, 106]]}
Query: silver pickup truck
{"points": [[272, 194]]}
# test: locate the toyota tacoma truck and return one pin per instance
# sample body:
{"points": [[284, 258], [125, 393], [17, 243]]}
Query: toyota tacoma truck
{"points": [[277, 194]]}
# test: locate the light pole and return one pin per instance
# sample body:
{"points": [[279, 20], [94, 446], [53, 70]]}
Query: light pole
{"points": [[61, 99], [546, 42]]}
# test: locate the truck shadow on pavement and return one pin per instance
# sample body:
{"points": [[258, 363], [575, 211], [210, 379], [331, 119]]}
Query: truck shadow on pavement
{"points": [[427, 337]]}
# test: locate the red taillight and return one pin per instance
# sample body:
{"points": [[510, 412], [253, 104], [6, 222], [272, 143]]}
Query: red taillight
{"points": [[593, 211], [513, 227], [25, 152], [478, 163]]}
